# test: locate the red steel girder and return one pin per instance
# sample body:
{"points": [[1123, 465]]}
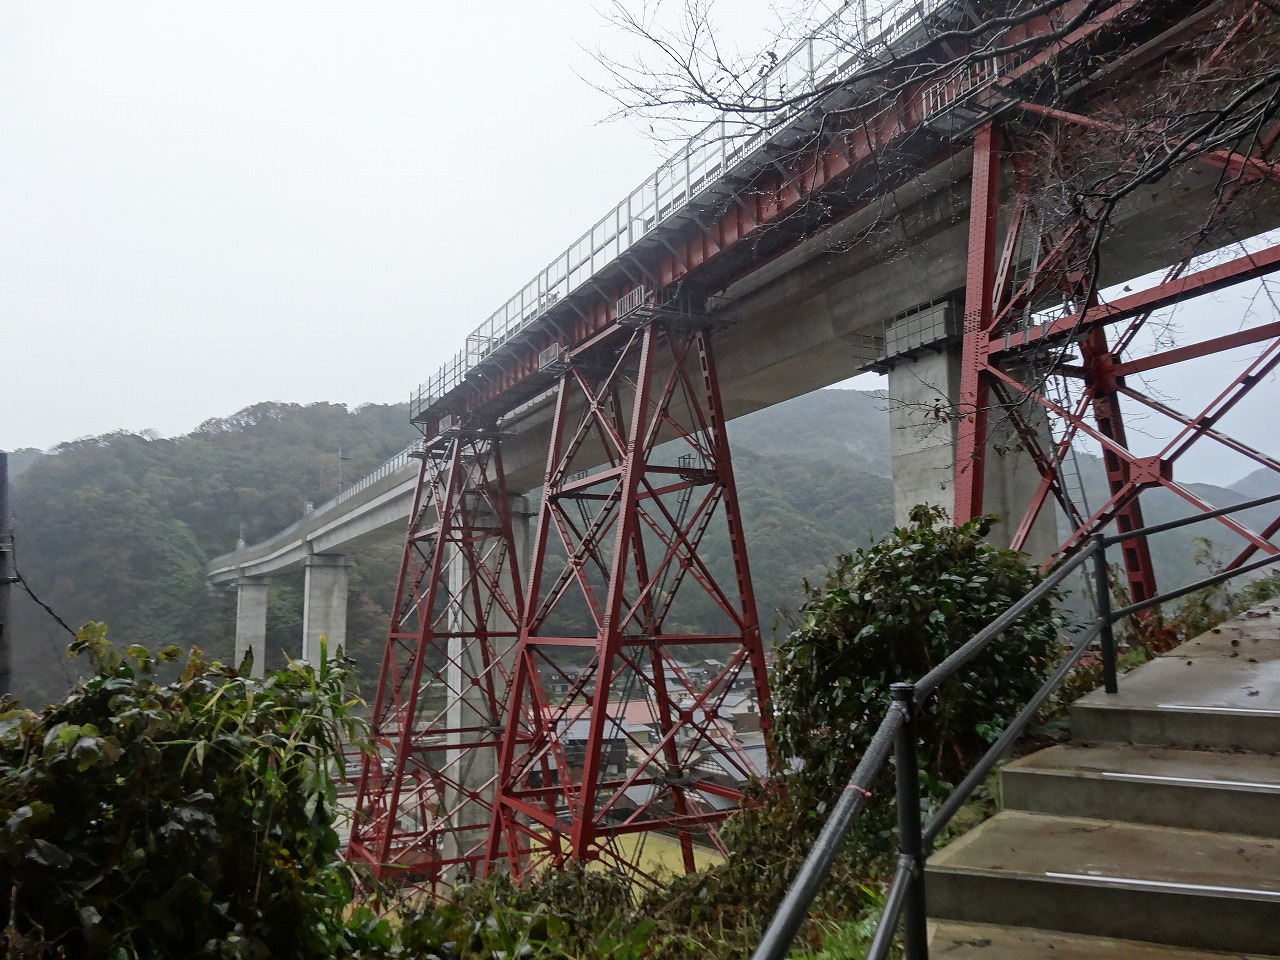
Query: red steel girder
{"points": [[424, 803], [993, 351], [1139, 472], [1007, 339], [1101, 388], [610, 733], [1217, 277]]}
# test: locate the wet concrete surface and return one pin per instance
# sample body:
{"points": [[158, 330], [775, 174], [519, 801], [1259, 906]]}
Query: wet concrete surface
{"points": [[1160, 829], [1035, 844], [981, 941]]}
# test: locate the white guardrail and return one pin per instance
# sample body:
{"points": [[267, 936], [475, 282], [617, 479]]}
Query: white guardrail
{"points": [[388, 468], [706, 160]]}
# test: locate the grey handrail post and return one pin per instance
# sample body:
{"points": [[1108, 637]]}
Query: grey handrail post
{"points": [[915, 939], [1102, 601]]}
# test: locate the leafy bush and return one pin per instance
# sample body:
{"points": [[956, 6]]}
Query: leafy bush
{"points": [[184, 819], [583, 914], [892, 612], [575, 912]]}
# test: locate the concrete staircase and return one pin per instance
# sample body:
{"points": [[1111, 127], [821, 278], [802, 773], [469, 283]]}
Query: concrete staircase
{"points": [[1156, 834]]}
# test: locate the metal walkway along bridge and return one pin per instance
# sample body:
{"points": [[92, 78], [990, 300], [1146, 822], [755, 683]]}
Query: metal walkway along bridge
{"points": [[942, 194]]}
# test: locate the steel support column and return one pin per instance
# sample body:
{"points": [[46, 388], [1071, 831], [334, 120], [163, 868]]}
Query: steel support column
{"points": [[1104, 374], [423, 806], [1102, 388], [634, 638], [1042, 265], [980, 276]]}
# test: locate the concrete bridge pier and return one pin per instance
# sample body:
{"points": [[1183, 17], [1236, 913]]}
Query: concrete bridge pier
{"points": [[251, 622], [324, 605], [923, 359]]}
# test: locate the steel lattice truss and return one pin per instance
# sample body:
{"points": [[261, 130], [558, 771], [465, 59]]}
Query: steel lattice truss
{"points": [[1043, 354], [525, 758], [423, 805], [621, 593]]}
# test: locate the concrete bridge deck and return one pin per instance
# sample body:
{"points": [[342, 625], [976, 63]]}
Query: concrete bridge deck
{"points": [[811, 318], [367, 512]]}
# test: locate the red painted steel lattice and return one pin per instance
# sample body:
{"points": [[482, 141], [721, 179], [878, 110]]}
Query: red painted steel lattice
{"points": [[1058, 376], [633, 643], [423, 805], [640, 620]]}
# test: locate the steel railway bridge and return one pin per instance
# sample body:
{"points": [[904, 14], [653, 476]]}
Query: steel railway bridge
{"points": [[942, 195]]}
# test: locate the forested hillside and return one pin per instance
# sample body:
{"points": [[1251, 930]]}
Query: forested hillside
{"points": [[839, 426], [119, 528]]}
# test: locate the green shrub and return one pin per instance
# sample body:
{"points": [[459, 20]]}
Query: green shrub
{"points": [[191, 818], [892, 612], [1211, 606]]}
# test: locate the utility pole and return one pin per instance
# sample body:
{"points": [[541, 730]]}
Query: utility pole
{"points": [[341, 461], [7, 574]]}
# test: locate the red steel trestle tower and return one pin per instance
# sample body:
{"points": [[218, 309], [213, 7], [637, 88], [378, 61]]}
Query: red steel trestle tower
{"points": [[423, 806], [1042, 352], [609, 735]]}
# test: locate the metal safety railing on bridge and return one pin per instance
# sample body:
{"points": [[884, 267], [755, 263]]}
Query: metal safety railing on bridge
{"points": [[394, 465], [710, 157]]}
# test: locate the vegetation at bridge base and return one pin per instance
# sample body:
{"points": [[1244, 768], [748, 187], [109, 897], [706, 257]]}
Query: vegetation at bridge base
{"points": [[1206, 608], [183, 819], [890, 613]]}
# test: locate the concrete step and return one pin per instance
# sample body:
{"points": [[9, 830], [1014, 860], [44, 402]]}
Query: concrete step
{"points": [[1195, 789], [984, 941], [1221, 690], [1189, 888]]}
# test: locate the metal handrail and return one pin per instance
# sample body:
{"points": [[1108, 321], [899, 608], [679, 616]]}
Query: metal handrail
{"points": [[709, 158], [904, 900], [1186, 521], [791, 913], [396, 463]]}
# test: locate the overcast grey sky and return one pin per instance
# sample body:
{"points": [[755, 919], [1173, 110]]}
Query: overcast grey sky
{"points": [[207, 205], [213, 204]]}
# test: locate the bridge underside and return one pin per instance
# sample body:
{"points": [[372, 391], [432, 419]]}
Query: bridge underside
{"points": [[965, 251]]}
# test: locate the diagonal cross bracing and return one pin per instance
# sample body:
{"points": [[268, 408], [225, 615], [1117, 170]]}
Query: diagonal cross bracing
{"points": [[579, 771], [423, 803]]}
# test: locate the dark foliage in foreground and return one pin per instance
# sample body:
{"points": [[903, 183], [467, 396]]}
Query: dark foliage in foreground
{"points": [[192, 818]]}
